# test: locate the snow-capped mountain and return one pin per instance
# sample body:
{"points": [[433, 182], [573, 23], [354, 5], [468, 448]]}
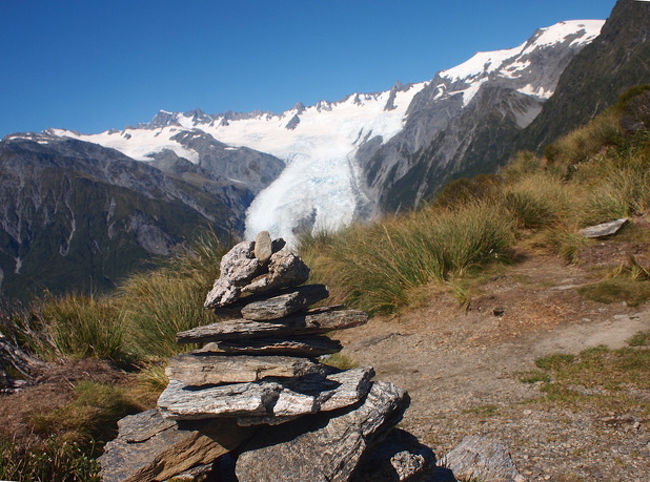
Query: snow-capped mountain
{"points": [[353, 158]]}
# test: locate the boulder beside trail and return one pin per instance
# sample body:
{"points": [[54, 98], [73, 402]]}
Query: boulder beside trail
{"points": [[605, 229]]}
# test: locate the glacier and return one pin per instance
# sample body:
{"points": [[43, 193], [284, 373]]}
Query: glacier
{"points": [[321, 186]]}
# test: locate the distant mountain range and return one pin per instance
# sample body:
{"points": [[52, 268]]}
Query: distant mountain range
{"points": [[367, 153], [82, 210]]}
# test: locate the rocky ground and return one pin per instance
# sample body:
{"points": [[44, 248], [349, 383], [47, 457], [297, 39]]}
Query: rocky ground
{"points": [[462, 368]]}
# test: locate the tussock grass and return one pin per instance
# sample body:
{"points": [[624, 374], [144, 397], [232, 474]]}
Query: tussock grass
{"points": [[377, 265], [85, 327], [629, 282], [581, 144], [539, 200], [92, 415], [161, 303]]}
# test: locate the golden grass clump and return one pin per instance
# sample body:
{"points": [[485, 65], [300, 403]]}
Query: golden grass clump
{"points": [[378, 264]]}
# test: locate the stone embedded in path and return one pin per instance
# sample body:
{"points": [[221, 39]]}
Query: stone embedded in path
{"points": [[198, 369], [269, 398], [263, 246], [316, 321], [242, 272], [285, 304], [149, 447], [332, 447], [311, 346], [604, 230], [482, 458]]}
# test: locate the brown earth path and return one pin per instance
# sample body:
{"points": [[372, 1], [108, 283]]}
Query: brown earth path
{"points": [[462, 369]]}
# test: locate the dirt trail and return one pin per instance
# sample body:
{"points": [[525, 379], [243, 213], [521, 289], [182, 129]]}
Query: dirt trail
{"points": [[461, 370]]}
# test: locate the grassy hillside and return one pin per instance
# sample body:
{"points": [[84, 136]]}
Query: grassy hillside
{"points": [[595, 174]]}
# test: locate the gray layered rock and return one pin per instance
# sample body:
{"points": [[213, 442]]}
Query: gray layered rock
{"points": [[263, 246], [276, 399], [199, 369], [149, 447], [332, 446], [482, 458], [306, 346], [243, 273], [238, 267], [313, 322], [605, 229], [285, 304], [399, 457], [285, 269]]}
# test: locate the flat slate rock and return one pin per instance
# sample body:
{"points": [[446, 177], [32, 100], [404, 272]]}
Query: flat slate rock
{"points": [[311, 346], [149, 447], [199, 369], [267, 399], [322, 447], [316, 321], [285, 304], [605, 229], [482, 458]]}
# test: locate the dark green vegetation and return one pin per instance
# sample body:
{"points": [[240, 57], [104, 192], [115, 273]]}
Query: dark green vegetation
{"points": [[595, 174], [598, 377]]}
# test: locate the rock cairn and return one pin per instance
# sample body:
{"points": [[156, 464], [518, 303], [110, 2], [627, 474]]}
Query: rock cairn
{"points": [[256, 385]]}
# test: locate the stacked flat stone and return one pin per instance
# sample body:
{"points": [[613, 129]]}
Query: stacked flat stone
{"points": [[262, 367], [254, 402]]}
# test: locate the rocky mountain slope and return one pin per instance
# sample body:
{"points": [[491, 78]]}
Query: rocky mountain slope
{"points": [[617, 60], [460, 122], [78, 216]]}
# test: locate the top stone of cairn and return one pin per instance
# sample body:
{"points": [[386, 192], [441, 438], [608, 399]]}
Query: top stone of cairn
{"points": [[256, 267]]}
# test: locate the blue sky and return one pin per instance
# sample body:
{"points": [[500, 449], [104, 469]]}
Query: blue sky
{"points": [[92, 65]]}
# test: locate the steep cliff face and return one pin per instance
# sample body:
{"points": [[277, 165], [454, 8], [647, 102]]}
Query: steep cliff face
{"points": [[75, 215], [617, 60], [462, 122]]}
